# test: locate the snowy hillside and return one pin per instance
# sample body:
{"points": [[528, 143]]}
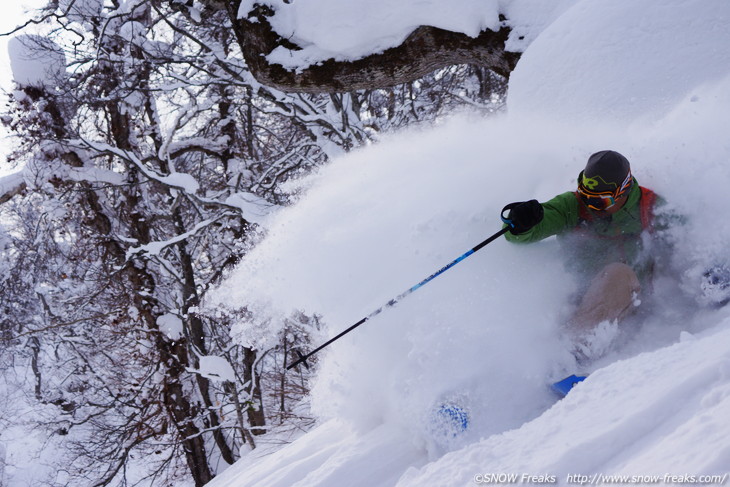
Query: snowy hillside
{"points": [[649, 79]]}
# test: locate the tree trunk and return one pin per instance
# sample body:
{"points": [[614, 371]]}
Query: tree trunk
{"points": [[182, 412], [256, 416], [197, 339]]}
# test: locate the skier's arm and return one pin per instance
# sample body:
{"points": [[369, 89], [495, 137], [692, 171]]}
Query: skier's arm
{"points": [[560, 214]]}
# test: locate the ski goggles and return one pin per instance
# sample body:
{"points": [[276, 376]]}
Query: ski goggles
{"points": [[601, 201]]}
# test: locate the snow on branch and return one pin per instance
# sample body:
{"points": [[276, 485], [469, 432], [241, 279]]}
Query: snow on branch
{"points": [[202, 144], [95, 175], [36, 61], [154, 248], [11, 185], [425, 49], [182, 181], [215, 368], [249, 206]]}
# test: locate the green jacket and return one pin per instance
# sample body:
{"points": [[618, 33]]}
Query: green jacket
{"points": [[592, 245]]}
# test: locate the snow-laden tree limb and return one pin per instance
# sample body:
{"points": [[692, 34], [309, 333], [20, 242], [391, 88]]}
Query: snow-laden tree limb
{"points": [[154, 248], [425, 50], [249, 206], [182, 181]]}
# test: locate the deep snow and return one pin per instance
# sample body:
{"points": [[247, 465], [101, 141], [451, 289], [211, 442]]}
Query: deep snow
{"points": [[649, 79]]}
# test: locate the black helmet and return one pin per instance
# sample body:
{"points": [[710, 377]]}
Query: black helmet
{"points": [[606, 171]]}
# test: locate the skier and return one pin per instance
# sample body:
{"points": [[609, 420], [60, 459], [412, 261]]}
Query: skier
{"points": [[606, 225]]}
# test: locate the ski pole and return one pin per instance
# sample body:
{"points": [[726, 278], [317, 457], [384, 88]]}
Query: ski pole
{"points": [[303, 358]]}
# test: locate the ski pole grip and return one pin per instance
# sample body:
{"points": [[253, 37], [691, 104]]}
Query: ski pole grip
{"points": [[506, 219]]}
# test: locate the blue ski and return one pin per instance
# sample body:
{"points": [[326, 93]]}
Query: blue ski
{"points": [[563, 387]]}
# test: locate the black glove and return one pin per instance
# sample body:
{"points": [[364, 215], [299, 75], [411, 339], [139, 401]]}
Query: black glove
{"points": [[522, 216]]}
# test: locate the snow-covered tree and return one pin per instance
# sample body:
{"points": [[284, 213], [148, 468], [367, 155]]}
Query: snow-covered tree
{"points": [[149, 164]]}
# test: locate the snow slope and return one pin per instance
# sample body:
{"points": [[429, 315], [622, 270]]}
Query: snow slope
{"points": [[660, 413], [650, 79]]}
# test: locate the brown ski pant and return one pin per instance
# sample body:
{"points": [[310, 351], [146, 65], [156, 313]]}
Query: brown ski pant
{"points": [[610, 296]]}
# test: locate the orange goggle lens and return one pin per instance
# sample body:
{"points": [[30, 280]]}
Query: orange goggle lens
{"points": [[598, 202], [605, 200]]}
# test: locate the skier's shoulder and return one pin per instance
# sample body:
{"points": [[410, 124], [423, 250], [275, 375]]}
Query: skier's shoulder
{"points": [[565, 203], [657, 211]]}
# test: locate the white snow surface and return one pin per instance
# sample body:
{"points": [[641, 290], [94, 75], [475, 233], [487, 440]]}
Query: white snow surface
{"points": [[645, 55], [487, 333], [216, 368], [171, 325], [10, 181], [36, 61]]}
